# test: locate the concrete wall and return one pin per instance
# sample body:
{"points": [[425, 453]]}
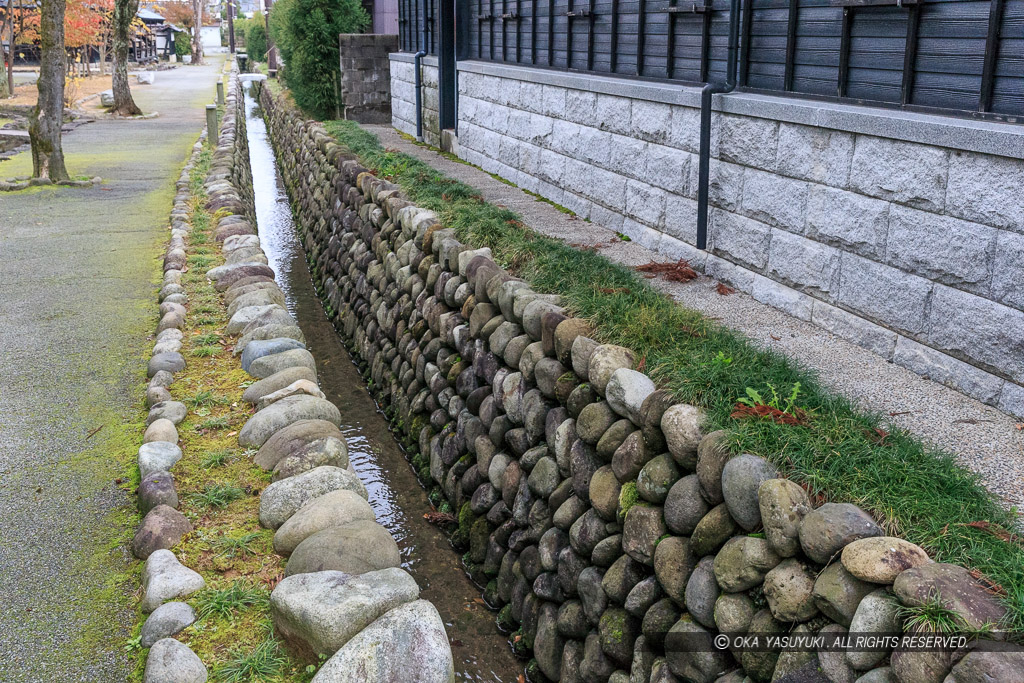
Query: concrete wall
{"points": [[366, 75], [902, 232], [403, 96]]}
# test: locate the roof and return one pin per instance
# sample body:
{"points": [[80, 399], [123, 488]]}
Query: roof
{"points": [[149, 15]]}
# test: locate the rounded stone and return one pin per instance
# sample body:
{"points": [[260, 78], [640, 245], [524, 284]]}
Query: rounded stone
{"points": [[161, 430], [673, 564], [594, 420], [626, 391], [877, 613], [783, 505], [261, 426], [157, 456], [173, 411], [713, 530], [789, 589], [741, 479], [170, 661], [293, 439], [702, 592], [656, 478], [282, 499], [604, 361], [882, 558], [604, 492], [681, 425], [265, 366], [826, 531], [166, 621], [327, 451], [335, 508], [354, 548], [712, 454], [168, 362], [743, 562], [157, 488], [684, 506], [837, 593], [643, 527], [163, 527]]}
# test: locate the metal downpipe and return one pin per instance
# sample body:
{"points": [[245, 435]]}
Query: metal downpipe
{"points": [[417, 61], [704, 161]]}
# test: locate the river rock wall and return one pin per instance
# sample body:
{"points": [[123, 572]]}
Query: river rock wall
{"points": [[612, 532]]}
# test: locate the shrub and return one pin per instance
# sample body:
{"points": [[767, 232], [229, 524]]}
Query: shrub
{"points": [[306, 33], [182, 44], [255, 33]]}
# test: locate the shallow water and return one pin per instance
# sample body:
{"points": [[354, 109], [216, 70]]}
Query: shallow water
{"points": [[480, 652]]}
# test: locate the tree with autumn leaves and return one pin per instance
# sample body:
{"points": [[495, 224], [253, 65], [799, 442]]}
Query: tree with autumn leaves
{"points": [[60, 26]]}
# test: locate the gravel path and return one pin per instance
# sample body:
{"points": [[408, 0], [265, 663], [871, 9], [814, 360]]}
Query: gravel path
{"points": [[79, 274], [983, 438]]}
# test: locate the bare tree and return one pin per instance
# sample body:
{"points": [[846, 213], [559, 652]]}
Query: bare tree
{"points": [[124, 14], [197, 31], [48, 115]]}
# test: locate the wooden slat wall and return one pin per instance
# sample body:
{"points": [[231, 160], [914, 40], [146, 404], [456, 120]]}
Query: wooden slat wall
{"points": [[947, 54]]}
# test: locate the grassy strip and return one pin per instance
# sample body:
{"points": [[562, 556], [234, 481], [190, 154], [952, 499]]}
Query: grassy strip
{"points": [[841, 454], [219, 485]]}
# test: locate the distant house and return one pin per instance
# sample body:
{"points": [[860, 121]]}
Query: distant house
{"points": [[163, 33]]}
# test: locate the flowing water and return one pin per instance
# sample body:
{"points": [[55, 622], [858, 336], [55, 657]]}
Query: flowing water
{"points": [[480, 652]]}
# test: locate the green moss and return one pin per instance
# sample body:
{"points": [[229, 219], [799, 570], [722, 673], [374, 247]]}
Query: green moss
{"points": [[628, 497]]}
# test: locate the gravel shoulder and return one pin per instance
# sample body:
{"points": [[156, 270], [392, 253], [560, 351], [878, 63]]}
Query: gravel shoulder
{"points": [[982, 438], [79, 274]]}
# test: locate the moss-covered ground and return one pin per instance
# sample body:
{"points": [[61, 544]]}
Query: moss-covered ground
{"points": [[219, 486], [837, 452]]}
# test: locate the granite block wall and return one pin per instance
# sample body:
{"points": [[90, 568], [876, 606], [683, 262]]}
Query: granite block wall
{"points": [[912, 249]]}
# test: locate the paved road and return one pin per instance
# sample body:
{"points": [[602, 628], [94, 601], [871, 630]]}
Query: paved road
{"points": [[78, 275]]}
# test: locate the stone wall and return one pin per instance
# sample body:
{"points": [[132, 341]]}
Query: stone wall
{"points": [[609, 529], [366, 75], [901, 232], [403, 97]]}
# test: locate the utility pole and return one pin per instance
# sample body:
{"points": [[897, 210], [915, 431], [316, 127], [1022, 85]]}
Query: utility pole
{"points": [[231, 26], [271, 53]]}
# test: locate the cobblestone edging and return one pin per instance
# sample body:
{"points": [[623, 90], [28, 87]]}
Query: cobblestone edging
{"points": [[344, 596], [608, 527], [910, 249]]}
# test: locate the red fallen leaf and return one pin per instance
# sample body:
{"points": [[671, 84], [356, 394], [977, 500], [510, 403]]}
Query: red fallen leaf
{"points": [[642, 364], [997, 531], [990, 585], [878, 436], [742, 410], [679, 271], [775, 338], [1019, 426], [435, 517], [724, 289]]}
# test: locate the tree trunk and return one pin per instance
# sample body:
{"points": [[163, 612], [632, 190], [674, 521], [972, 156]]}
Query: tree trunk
{"points": [[124, 13], [197, 32], [48, 115]]}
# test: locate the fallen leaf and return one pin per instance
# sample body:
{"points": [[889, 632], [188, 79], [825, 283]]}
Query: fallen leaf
{"points": [[742, 410], [679, 271], [774, 337], [724, 289]]}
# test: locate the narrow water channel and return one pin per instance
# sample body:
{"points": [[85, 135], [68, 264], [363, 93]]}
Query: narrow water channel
{"points": [[480, 652]]}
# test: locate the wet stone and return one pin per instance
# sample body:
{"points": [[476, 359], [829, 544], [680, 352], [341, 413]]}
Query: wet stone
{"points": [[157, 488], [163, 527]]}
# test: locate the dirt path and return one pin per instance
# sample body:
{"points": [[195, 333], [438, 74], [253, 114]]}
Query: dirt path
{"points": [[79, 272]]}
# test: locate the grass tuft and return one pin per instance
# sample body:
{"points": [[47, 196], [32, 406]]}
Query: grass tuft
{"points": [[227, 603], [265, 662], [217, 495]]}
